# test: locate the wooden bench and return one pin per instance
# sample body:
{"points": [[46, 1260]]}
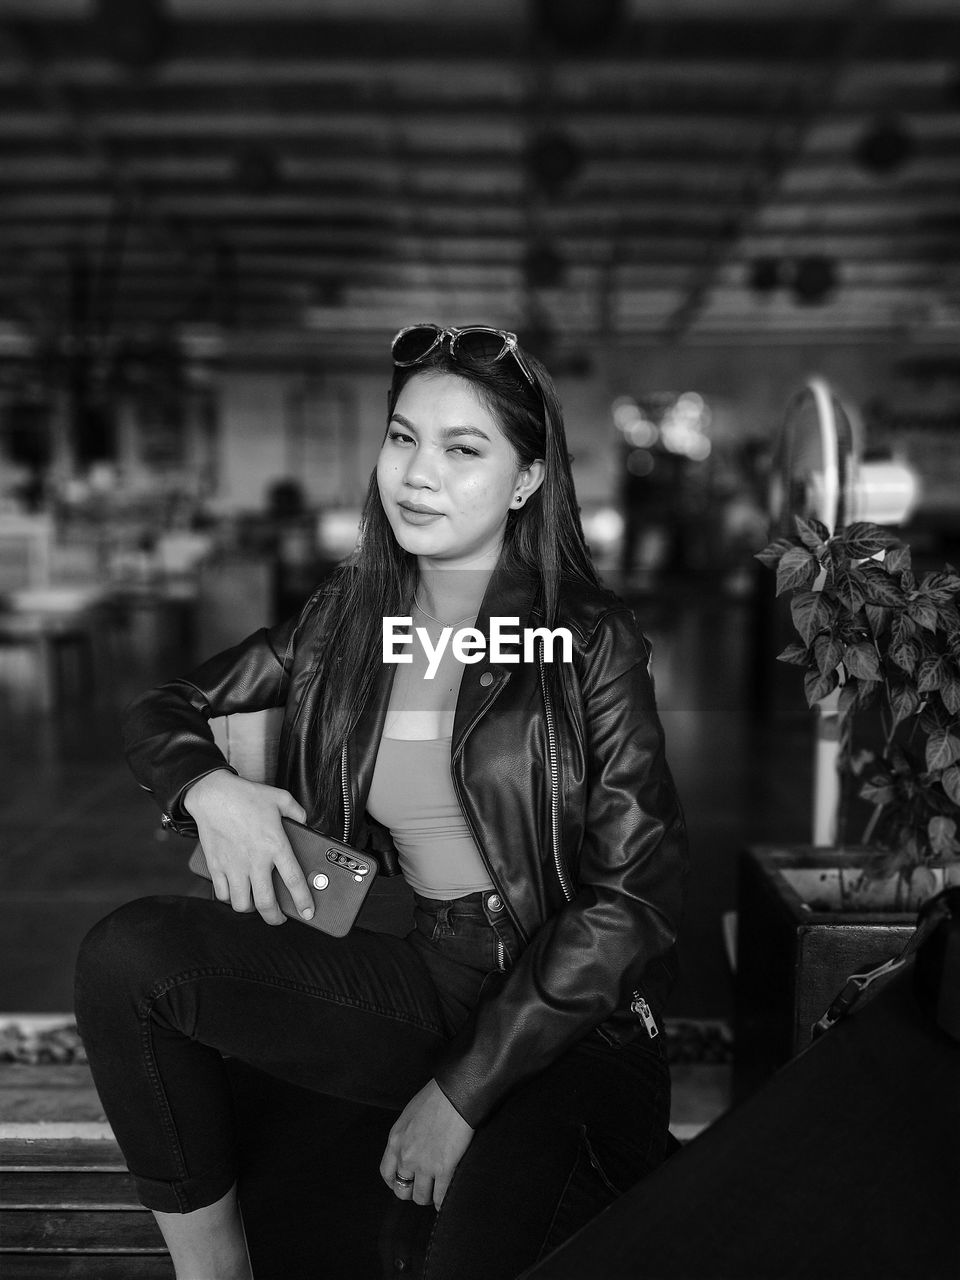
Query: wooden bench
{"points": [[68, 1206], [68, 1209]]}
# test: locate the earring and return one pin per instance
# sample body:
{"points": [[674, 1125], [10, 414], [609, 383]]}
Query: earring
{"points": [[519, 499]]}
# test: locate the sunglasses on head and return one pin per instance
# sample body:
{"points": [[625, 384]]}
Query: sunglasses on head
{"points": [[476, 343]]}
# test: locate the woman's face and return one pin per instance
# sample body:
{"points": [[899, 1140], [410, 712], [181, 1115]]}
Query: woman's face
{"points": [[447, 475]]}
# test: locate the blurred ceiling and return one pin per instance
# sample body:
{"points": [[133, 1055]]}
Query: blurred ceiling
{"points": [[588, 172]]}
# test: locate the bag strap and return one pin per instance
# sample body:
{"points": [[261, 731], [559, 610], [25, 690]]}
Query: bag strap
{"points": [[931, 915]]}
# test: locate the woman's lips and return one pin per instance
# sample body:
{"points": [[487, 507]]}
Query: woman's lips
{"points": [[414, 515]]}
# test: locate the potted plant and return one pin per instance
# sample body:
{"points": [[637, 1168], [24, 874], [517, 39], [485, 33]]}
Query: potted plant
{"points": [[879, 646]]}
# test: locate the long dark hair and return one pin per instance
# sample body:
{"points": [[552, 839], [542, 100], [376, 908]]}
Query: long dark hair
{"points": [[544, 537]]}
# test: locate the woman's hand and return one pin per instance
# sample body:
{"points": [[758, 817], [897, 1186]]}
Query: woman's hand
{"points": [[426, 1144], [242, 839]]}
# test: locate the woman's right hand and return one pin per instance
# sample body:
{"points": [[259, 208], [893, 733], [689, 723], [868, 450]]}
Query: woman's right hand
{"points": [[243, 840]]}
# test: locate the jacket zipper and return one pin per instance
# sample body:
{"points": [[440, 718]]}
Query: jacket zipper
{"points": [[345, 788], [501, 957], [554, 779], [643, 1011]]}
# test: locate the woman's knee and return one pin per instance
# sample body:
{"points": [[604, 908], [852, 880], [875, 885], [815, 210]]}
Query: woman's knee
{"points": [[125, 954]]}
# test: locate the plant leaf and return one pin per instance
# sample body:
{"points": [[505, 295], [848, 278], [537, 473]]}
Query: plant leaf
{"points": [[867, 691], [942, 833], [811, 614], [904, 701], [941, 587], [904, 628], [861, 660], [770, 555], [879, 587], [828, 651], [942, 749], [878, 617], [797, 654], [797, 569], [950, 781], [863, 539], [950, 618], [877, 791], [923, 612], [950, 691], [933, 718], [850, 589], [812, 532], [860, 759], [906, 654], [931, 673], [897, 560], [817, 686]]}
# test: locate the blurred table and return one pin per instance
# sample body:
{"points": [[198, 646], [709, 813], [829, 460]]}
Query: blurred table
{"points": [[45, 620]]}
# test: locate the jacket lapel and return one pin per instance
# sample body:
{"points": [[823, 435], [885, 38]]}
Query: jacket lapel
{"points": [[509, 594]]}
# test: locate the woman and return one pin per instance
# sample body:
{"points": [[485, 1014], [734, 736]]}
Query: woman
{"points": [[527, 802]]}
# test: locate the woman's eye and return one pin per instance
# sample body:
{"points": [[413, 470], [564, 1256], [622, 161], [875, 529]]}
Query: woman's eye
{"points": [[399, 437], [465, 449]]}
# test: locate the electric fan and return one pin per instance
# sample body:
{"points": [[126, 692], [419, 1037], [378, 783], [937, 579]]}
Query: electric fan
{"points": [[819, 471]]}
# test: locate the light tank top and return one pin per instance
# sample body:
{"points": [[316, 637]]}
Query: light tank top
{"points": [[412, 794]]}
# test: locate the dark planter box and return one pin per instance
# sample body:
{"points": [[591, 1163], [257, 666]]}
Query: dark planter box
{"points": [[792, 961]]}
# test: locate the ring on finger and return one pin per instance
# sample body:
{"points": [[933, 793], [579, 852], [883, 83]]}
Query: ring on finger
{"points": [[402, 1181]]}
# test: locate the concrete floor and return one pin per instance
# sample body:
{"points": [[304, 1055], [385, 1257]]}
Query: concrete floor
{"points": [[77, 837]]}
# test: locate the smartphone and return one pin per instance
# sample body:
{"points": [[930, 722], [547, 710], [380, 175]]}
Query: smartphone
{"points": [[338, 877]]}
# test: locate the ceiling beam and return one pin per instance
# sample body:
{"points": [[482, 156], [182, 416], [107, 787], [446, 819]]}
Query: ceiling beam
{"points": [[762, 180], [759, 36], [337, 104]]}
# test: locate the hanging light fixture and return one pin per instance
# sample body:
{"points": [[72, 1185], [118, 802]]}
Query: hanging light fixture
{"points": [[554, 160], [814, 279], [543, 267], [134, 33], [885, 146], [257, 169], [575, 25], [765, 275], [537, 334]]}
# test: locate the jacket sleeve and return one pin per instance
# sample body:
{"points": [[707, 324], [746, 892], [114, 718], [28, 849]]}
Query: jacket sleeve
{"points": [[166, 733], [587, 959]]}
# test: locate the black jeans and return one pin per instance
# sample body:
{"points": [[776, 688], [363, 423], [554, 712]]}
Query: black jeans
{"points": [[166, 987]]}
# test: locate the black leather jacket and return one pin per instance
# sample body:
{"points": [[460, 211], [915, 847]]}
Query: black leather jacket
{"points": [[572, 807]]}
